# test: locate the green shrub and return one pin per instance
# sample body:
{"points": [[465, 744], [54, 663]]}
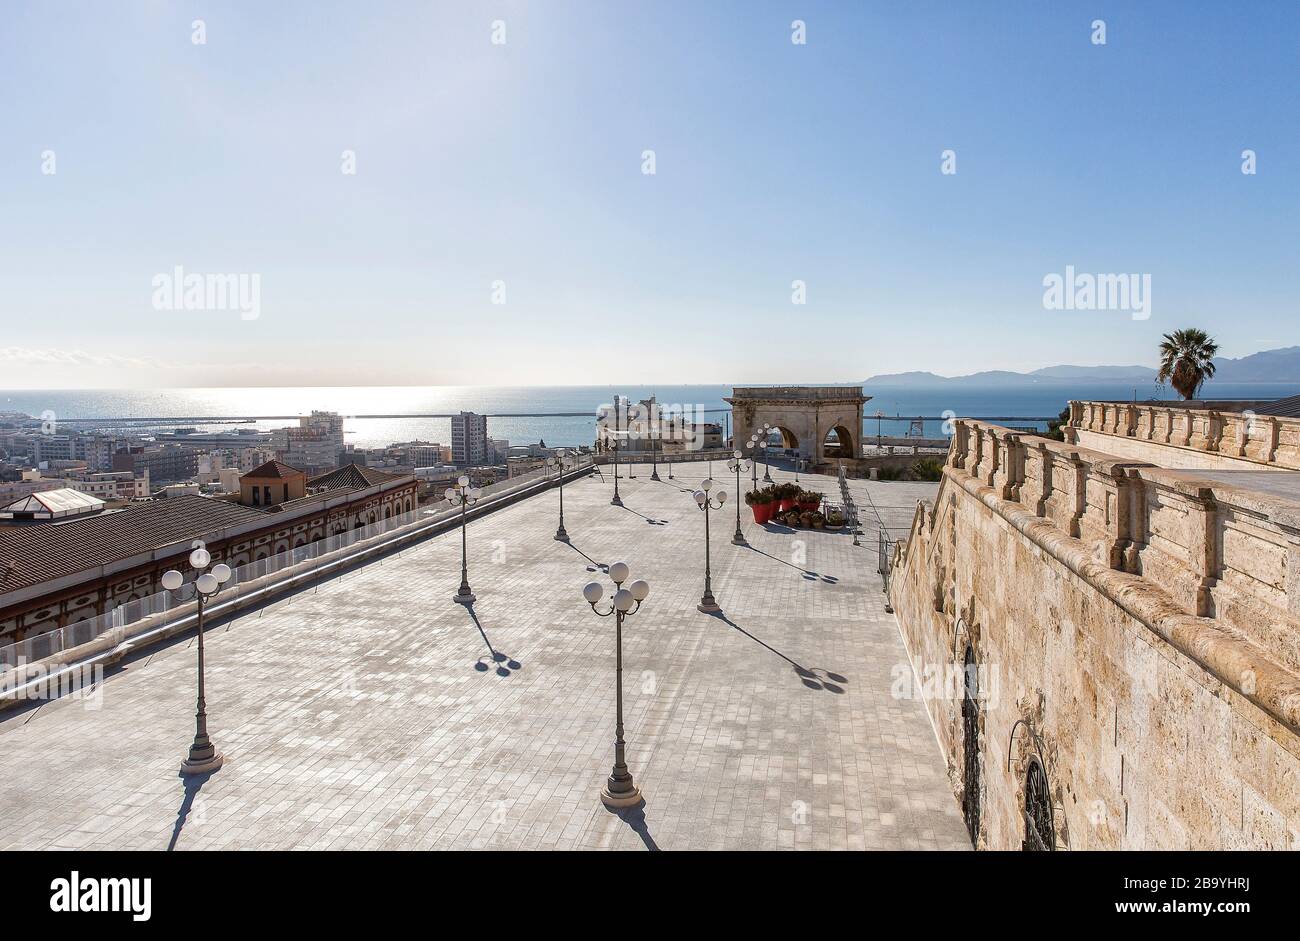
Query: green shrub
{"points": [[927, 468]]}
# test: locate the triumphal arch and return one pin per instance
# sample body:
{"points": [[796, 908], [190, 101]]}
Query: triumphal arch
{"points": [[806, 416]]}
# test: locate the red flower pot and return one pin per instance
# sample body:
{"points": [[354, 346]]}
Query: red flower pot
{"points": [[763, 511], [785, 506], [809, 506]]}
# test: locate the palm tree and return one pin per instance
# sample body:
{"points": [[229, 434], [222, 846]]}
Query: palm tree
{"points": [[1186, 360]]}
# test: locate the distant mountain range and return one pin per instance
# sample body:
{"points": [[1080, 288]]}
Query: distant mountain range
{"points": [[1268, 366]]}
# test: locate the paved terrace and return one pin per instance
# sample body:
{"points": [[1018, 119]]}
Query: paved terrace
{"points": [[369, 713]]}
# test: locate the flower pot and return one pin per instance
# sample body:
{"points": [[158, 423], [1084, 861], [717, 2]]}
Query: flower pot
{"points": [[763, 511], [786, 506], [809, 505]]}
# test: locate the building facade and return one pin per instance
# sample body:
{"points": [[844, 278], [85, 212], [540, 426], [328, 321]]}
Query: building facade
{"points": [[314, 445], [469, 440], [55, 574]]}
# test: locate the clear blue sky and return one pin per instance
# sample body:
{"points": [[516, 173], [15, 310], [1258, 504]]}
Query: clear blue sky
{"points": [[522, 162]]}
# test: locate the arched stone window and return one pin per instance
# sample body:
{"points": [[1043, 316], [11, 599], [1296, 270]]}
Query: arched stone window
{"points": [[1040, 831], [970, 715]]}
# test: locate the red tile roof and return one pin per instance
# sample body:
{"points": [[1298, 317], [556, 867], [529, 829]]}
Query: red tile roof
{"points": [[353, 477], [274, 470]]}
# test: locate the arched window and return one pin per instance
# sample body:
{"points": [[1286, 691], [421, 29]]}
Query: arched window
{"points": [[1040, 833], [970, 716]]}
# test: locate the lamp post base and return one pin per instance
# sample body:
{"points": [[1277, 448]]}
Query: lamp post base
{"points": [[620, 799], [655, 476], [202, 764], [708, 605], [617, 501], [739, 540], [467, 598], [561, 535]]}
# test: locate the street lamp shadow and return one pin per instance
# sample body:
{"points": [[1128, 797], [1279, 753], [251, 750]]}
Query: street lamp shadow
{"points": [[634, 817], [504, 662], [193, 784]]}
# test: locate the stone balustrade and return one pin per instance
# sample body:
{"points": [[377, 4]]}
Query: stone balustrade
{"points": [[1217, 550], [1232, 430], [1141, 622]]}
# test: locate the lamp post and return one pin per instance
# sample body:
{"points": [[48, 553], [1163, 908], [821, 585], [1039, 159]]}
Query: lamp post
{"points": [[707, 603], [627, 436], [203, 756], [765, 439], [619, 790], [617, 501], [668, 455], [466, 496], [752, 444], [563, 461], [654, 461], [738, 464]]}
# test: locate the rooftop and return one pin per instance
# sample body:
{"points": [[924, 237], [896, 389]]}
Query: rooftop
{"points": [[273, 470], [373, 712], [50, 504], [33, 554], [352, 477]]}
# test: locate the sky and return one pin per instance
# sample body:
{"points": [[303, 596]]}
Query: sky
{"points": [[500, 227]]}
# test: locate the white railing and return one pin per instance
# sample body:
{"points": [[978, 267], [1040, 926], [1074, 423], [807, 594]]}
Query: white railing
{"points": [[54, 642]]}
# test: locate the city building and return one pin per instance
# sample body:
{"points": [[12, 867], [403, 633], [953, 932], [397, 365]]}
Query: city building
{"points": [[95, 450], [315, 445], [469, 440], [59, 573], [112, 486], [272, 484], [163, 464], [235, 439], [424, 454]]}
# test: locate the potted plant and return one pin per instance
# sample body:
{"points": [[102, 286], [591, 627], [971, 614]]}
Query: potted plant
{"points": [[817, 520], [834, 519], [787, 494], [762, 503], [810, 500]]}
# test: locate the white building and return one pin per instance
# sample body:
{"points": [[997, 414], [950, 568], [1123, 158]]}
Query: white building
{"points": [[314, 446], [469, 440], [112, 485]]}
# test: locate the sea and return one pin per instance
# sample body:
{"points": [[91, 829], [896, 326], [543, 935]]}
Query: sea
{"points": [[266, 408]]}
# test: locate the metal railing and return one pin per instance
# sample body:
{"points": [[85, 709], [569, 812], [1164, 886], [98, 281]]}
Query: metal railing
{"points": [[60, 639]]}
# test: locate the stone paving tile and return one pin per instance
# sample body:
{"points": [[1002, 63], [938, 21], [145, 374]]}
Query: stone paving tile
{"points": [[369, 713]]}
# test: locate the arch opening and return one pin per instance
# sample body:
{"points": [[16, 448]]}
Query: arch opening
{"points": [[971, 743], [1040, 832], [838, 443]]}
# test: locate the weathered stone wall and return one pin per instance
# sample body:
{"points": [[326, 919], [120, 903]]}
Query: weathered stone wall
{"points": [[1177, 435], [1164, 455], [1132, 632]]}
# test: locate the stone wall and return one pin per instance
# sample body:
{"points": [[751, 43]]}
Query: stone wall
{"points": [[1207, 437], [1133, 632]]}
